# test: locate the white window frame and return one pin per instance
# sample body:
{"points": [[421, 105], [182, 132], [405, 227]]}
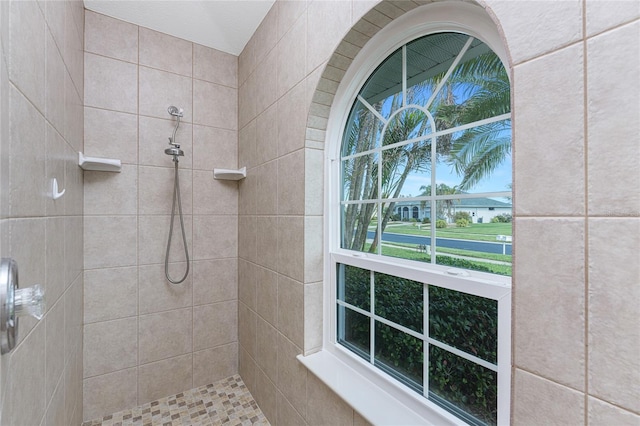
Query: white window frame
{"points": [[433, 18]]}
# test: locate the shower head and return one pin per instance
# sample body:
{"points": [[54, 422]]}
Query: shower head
{"points": [[175, 111]]}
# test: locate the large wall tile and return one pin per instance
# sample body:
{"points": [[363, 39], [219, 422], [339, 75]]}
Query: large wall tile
{"points": [[156, 294], [214, 148], [110, 346], [215, 281], [247, 273], [602, 15], [267, 188], [211, 365], [156, 186], [111, 193], [267, 295], [614, 121], [54, 84], [247, 142], [160, 89], [549, 297], [555, 25], [215, 325], [24, 402], [110, 294], [291, 309], [324, 406], [27, 131], [550, 156], [291, 246], [247, 238], [247, 329], [55, 169], [265, 394], [215, 105], [266, 83], [153, 235], [329, 24], [217, 237], [54, 347], [110, 393], [313, 294], [267, 127], [313, 249], [164, 378], [110, 84], [164, 335], [215, 66], [291, 184], [614, 311], [292, 376], [287, 415], [601, 413], [54, 259], [540, 401], [111, 134], [110, 241], [292, 55], [267, 241], [267, 347], [165, 52], [111, 37], [26, 55], [212, 196]]}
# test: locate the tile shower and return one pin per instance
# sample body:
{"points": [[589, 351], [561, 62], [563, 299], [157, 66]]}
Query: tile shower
{"points": [[144, 338], [84, 82]]}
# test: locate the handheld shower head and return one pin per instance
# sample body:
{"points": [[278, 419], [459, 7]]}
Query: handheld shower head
{"points": [[175, 111]]}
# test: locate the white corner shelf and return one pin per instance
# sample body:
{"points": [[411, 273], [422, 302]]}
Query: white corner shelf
{"points": [[99, 164], [230, 174]]}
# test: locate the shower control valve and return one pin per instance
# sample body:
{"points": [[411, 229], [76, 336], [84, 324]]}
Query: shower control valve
{"points": [[16, 302]]}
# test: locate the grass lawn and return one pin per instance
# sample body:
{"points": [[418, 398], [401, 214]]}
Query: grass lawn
{"points": [[475, 231], [458, 252], [445, 260]]}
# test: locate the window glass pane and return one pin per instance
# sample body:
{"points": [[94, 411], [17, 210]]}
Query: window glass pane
{"points": [[466, 322], [383, 90], [354, 286], [400, 300], [476, 160], [360, 177], [455, 382], [467, 238], [428, 59], [400, 355], [357, 222], [354, 331], [408, 124], [406, 236], [406, 170], [363, 130]]}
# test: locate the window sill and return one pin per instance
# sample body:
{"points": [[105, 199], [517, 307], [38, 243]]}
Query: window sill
{"points": [[375, 403]]}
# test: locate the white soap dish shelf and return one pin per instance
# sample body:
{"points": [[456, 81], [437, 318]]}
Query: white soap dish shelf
{"points": [[230, 174], [99, 164]]}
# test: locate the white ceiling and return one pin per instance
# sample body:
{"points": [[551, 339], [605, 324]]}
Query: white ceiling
{"points": [[225, 25]]}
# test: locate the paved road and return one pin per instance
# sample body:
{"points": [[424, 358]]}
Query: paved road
{"points": [[483, 246]]}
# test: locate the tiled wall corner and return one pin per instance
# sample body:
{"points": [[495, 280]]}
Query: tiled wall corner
{"points": [[41, 131], [163, 333]]}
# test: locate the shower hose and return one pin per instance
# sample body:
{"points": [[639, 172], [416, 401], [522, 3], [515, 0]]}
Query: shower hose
{"points": [[176, 195]]}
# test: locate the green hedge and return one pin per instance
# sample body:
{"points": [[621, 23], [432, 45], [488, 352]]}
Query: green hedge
{"points": [[463, 321]]}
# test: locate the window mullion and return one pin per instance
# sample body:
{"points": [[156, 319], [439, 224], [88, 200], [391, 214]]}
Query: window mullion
{"points": [[404, 75], [372, 321], [425, 342]]}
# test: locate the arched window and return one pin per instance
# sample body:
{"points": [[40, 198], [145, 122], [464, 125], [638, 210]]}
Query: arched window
{"points": [[424, 119]]}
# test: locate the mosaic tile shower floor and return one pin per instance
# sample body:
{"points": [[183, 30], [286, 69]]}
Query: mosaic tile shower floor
{"points": [[226, 402]]}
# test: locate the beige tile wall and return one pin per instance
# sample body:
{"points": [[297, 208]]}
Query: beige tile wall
{"points": [[145, 338], [576, 121], [41, 132]]}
